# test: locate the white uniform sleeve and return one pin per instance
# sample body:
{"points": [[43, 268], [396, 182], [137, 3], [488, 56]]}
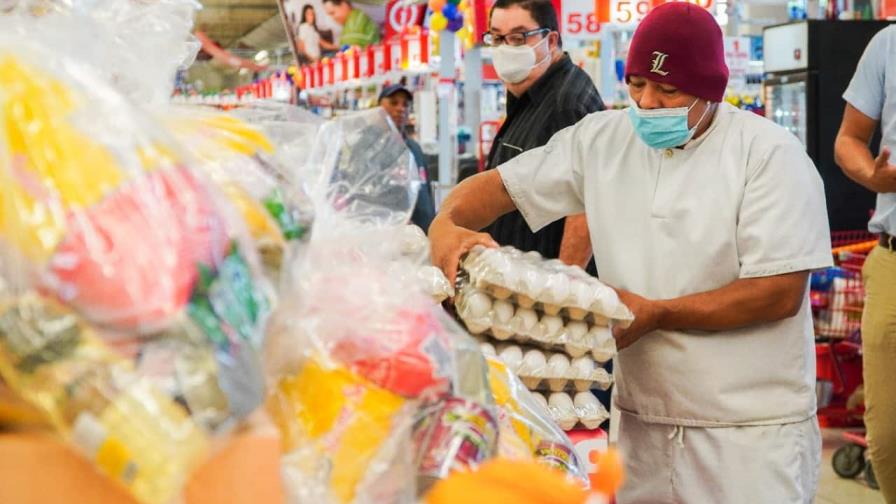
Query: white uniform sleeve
{"points": [[546, 183], [783, 225], [866, 90]]}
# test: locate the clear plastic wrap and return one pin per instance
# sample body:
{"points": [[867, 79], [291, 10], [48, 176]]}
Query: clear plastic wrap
{"points": [[527, 428], [377, 391], [136, 45], [500, 318], [241, 160], [553, 371], [549, 286], [133, 309]]}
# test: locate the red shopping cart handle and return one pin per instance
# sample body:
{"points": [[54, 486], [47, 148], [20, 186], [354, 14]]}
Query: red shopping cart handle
{"points": [[856, 437]]}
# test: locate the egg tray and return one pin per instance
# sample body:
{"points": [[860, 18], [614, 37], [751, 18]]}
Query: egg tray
{"points": [[585, 410], [499, 319], [549, 285], [554, 372]]}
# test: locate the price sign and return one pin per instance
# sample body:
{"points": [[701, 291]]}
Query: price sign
{"points": [[737, 56], [622, 11], [579, 20], [633, 11]]}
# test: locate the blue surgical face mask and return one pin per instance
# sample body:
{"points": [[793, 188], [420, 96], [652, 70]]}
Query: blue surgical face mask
{"points": [[664, 128]]}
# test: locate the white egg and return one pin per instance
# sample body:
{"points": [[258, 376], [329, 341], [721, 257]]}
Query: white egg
{"points": [[558, 365], [532, 283], [586, 401], [564, 411], [534, 362], [583, 366], [477, 305], [603, 345], [558, 288], [512, 356], [503, 312], [552, 326], [576, 332], [488, 349], [533, 256], [581, 294], [524, 320]]}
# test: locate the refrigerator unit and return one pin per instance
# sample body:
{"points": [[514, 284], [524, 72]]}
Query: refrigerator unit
{"points": [[808, 66]]}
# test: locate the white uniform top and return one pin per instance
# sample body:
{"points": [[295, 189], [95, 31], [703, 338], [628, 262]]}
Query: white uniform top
{"points": [[742, 201], [873, 92]]}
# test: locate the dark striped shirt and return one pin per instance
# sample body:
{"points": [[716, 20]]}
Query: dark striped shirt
{"points": [[564, 95]]}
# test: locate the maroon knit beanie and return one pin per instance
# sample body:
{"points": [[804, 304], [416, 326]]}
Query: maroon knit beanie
{"points": [[680, 44]]}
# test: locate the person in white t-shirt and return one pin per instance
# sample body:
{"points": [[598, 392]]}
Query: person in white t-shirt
{"points": [[708, 220], [308, 36], [871, 101]]}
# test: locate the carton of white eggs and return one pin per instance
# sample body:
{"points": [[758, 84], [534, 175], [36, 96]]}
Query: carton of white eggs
{"points": [[548, 285], [554, 371], [484, 314], [568, 412]]}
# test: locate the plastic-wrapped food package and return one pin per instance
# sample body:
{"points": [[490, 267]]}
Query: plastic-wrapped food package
{"points": [[377, 391], [551, 285], [527, 431], [107, 237], [503, 320], [240, 160]]}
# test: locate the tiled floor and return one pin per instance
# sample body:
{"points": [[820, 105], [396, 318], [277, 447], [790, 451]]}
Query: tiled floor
{"points": [[835, 490]]}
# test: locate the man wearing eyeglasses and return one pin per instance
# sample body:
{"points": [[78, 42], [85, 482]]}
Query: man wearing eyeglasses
{"points": [[546, 93]]}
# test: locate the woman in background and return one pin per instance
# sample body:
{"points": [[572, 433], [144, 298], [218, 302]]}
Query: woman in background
{"points": [[308, 37]]}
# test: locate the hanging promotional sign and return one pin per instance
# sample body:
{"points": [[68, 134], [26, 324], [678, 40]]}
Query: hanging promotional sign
{"points": [[400, 16]]}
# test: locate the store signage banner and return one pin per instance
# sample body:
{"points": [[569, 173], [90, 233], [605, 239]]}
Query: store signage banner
{"points": [[737, 56], [400, 16]]}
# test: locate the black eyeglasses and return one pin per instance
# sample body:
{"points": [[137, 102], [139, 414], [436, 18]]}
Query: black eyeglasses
{"points": [[512, 39]]}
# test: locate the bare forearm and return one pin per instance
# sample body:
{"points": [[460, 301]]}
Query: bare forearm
{"points": [[575, 248], [854, 157], [476, 202], [739, 304]]}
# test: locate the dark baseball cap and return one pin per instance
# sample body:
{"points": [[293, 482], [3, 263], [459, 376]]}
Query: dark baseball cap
{"points": [[394, 89]]}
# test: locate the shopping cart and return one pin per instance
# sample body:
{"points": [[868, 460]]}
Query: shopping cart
{"points": [[837, 297], [849, 460]]}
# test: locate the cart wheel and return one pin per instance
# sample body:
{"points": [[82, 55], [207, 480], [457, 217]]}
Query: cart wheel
{"points": [[849, 461], [870, 477]]}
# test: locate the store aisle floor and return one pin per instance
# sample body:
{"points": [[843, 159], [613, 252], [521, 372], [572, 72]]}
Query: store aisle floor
{"points": [[833, 489]]}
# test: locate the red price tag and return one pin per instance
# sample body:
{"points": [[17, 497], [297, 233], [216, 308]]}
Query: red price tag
{"points": [[580, 20], [622, 11]]}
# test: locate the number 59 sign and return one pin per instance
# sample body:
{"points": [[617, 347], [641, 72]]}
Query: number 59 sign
{"points": [[633, 11]]}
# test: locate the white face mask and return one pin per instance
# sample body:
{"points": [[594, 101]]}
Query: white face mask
{"points": [[515, 63]]}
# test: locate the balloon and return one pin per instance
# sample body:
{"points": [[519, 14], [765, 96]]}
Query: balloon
{"points": [[450, 11], [463, 5], [453, 2], [438, 22], [436, 5], [456, 24]]}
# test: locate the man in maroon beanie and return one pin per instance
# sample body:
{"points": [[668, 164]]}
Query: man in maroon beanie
{"points": [[708, 221]]}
